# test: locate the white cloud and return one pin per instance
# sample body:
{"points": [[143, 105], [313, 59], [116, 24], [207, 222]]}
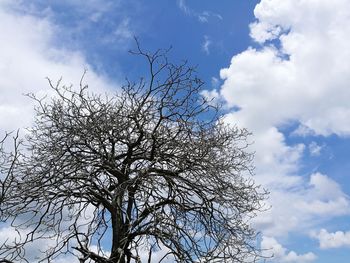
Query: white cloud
{"points": [[43, 241], [202, 17], [302, 79], [300, 207], [302, 131], [182, 5], [212, 96], [315, 149], [92, 9], [123, 31], [215, 82], [325, 197], [332, 240], [278, 253], [262, 32], [27, 56], [157, 254], [66, 259], [206, 44], [303, 205], [324, 187], [9, 235], [206, 15]]}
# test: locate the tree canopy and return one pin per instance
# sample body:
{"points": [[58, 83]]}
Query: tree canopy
{"points": [[118, 178]]}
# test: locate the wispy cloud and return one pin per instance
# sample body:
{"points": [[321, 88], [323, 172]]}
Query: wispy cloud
{"points": [[215, 82], [206, 15], [315, 149], [206, 44], [182, 5], [105, 20], [122, 33], [202, 17]]}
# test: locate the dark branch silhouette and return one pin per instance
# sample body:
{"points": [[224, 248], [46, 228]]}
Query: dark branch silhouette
{"points": [[153, 167]]}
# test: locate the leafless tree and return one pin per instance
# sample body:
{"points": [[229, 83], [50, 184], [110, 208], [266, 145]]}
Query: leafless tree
{"points": [[153, 167], [8, 162]]}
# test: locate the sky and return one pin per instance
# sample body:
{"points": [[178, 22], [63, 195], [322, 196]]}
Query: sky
{"points": [[280, 68]]}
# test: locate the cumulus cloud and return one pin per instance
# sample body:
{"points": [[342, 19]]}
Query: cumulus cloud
{"points": [[300, 207], [298, 72], [324, 197], [278, 253], [11, 235], [329, 240], [306, 77], [262, 31]]}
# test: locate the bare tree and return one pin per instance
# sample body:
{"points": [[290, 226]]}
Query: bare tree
{"points": [[8, 162], [111, 178]]}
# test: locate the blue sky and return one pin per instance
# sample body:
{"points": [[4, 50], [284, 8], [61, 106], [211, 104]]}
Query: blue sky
{"points": [[284, 64]]}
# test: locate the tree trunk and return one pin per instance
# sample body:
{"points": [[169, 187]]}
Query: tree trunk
{"points": [[118, 235]]}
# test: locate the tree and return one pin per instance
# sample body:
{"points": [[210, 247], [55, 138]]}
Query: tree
{"points": [[150, 168]]}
